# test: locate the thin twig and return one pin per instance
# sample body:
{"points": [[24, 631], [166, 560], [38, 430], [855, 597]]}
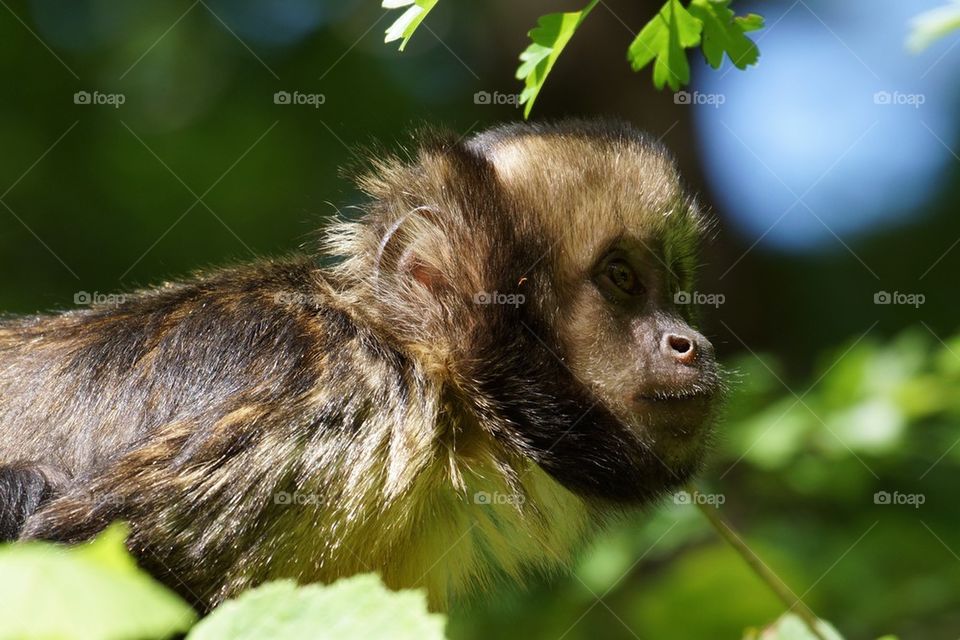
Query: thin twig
{"points": [[776, 585]]}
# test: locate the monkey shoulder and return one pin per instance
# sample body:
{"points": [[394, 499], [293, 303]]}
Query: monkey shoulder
{"points": [[84, 386]]}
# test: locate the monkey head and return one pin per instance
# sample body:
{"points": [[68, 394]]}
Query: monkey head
{"points": [[534, 271]]}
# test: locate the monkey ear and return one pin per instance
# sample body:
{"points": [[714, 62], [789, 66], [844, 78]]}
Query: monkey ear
{"points": [[422, 272], [406, 245]]}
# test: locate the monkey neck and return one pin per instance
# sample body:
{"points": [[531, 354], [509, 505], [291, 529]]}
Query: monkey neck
{"points": [[432, 499]]}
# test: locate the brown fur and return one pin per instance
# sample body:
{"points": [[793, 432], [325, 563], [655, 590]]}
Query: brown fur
{"points": [[376, 393]]}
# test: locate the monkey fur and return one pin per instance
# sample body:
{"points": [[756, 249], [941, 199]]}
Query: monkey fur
{"points": [[459, 386]]}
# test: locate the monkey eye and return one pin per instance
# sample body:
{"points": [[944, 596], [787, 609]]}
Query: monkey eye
{"points": [[621, 275]]}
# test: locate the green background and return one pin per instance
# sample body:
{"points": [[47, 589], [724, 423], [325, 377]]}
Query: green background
{"points": [[103, 199]]}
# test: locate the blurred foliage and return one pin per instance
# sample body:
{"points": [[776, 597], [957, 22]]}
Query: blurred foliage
{"points": [[357, 607], [819, 483], [932, 25], [96, 591], [791, 627], [93, 591]]}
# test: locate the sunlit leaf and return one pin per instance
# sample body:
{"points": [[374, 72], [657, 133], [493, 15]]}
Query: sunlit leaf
{"points": [[723, 32], [665, 39], [358, 607], [548, 38], [90, 591], [404, 26]]}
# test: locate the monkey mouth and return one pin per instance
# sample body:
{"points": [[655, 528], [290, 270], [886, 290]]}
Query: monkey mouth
{"points": [[686, 409], [673, 397], [662, 400]]}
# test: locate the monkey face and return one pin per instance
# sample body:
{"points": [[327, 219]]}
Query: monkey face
{"points": [[643, 360], [619, 242]]}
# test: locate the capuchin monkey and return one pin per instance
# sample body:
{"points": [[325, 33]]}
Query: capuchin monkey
{"points": [[460, 385]]}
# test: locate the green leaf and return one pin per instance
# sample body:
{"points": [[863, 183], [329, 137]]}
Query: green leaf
{"points": [[665, 38], [723, 33], [932, 25], [749, 22], [409, 20], [791, 627], [548, 38], [357, 607], [93, 590]]}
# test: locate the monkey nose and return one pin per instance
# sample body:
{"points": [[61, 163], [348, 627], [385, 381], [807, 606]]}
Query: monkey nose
{"points": [[681, 348]]}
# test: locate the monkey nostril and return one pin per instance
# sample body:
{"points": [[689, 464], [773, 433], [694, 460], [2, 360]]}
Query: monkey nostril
{"points": [[679, 344], [681, 347]]}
